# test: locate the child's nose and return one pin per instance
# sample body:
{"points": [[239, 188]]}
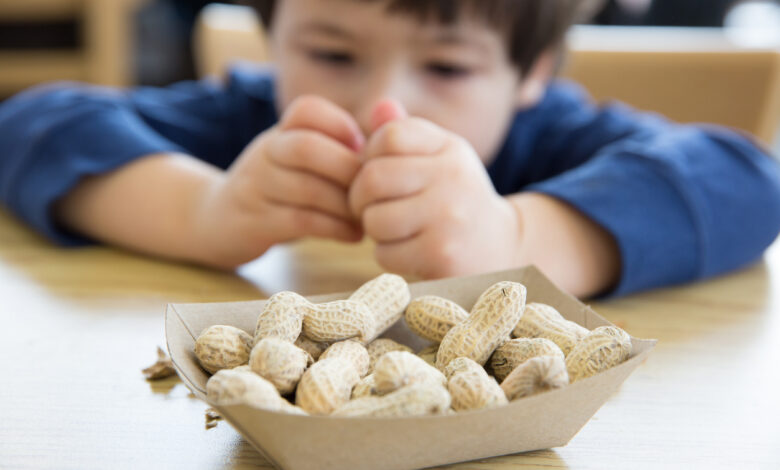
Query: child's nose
{"points": [[384, 97]]}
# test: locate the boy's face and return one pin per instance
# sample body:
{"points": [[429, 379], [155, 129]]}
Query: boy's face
{"points": [[355, 53]]}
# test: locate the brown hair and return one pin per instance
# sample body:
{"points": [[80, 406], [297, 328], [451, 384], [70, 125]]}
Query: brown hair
{"points": [[529, 26]]}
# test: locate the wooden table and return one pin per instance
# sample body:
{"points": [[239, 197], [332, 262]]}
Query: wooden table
{"points": [[79, 325]]}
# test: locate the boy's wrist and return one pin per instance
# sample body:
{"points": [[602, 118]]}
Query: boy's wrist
{"points": [[573, 250], [204, 222]]}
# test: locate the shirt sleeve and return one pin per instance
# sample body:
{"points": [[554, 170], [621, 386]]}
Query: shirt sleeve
{"points": [[53, 136], [683, 202]]}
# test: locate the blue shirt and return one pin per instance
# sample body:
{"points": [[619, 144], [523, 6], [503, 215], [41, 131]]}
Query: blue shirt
{"points": [[683, 202]]}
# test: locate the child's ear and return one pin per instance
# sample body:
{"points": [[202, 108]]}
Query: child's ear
{"points": [[531, 88]]}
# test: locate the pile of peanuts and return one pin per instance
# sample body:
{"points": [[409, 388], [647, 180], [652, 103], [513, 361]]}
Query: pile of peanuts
{"points": [[326, 358]]}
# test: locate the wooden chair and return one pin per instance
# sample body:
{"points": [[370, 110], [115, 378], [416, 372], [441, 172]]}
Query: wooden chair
{"points": [[224, 34], [687, 74], [106, 36]]}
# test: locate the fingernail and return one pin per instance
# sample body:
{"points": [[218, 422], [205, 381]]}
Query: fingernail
{"points": [[385, 111]]}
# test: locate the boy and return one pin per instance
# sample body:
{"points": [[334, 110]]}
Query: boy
{"points": [[391, 110]]}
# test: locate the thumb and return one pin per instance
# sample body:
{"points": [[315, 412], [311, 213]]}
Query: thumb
{"points": [[385, 111]]}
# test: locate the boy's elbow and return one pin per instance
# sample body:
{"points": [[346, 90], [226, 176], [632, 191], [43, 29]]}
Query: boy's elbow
{"points": [[750, 219], [772, 201]]}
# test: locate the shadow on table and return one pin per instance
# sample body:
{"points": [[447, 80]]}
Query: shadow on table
{"points": [[244, 456]]}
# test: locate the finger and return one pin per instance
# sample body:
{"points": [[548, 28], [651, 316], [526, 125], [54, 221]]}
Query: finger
{"points": [[385, 111], [318, 114], [395, 220], [301, 189], [388, 178], [426, 255], [296, 222], [315, 153], [409, 136]]}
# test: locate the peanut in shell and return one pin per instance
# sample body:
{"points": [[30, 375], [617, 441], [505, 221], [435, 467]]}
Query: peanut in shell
{"points": [[489, 325], [222, 347]]}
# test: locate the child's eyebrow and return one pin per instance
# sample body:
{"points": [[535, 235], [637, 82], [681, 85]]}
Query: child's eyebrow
{"points": [[327, 29], [451, 38]]}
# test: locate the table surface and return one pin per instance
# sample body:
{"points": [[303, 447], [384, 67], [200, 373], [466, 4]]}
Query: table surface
{"points": [[79, 325]]}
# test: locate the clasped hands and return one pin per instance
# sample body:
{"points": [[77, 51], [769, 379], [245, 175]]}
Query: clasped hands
{"points": [[419, 191]]}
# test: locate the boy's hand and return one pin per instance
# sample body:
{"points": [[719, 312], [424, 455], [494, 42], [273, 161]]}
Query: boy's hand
{"points": [[291, 181], [424, 196]]}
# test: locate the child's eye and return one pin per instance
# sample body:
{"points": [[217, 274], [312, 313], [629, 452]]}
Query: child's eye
{"points": [[331, 57], [448, 71]]}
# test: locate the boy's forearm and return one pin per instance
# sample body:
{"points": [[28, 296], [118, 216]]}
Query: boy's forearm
{"points": [[575, 252], [149, 205]]}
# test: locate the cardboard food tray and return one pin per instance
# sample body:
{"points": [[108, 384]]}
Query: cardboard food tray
{"points": [[287, 441]]}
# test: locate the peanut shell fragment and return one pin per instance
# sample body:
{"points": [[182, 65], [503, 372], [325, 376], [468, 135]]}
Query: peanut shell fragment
{"points": [[161, 369]]}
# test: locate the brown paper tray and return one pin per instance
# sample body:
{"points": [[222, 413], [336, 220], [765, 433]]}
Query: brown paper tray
{"points": [[310, 442]]}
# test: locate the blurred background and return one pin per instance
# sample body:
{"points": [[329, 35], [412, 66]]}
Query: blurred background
{"points": [[725, 52]]}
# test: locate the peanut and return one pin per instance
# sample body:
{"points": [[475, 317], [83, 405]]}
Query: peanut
{"points": [[602, 348], [488, 325], [471, 387], [398, 369], [431, 316], [516, 351], [222, 347], [280, 362], [380, 346], [535, 375], [414, 400], [338, 320], [326, 385], [312, 347], [460, 365], [352, 351], [544, 321], [243, 387], [365, 387], [386, 296], [282, 317], [428, 354], [289, 408]]}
